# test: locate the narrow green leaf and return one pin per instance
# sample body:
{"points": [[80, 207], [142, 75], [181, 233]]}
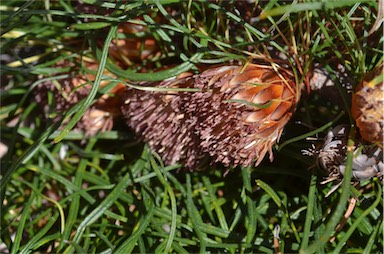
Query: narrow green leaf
{"points": [[68, 184], [129, 245], [312, 133], [91, 25], [251, 104], [34, 243], [5, 26], [172, 198], [195, 216], [310, 208], [373, 238], [160, 89], [338, 213], [153, 76], [214, 202], [366, 212], [172, 20], [75, 204], [99, 210], [29, 152], [92, 93], [268, 189], [23, 219], [251, 209], [280, 204], [299, 7]]}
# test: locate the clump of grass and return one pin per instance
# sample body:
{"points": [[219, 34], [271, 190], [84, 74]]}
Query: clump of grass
{"points": [[64, 192]]}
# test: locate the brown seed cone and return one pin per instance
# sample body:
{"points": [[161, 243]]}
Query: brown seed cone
{"points": [[235, 118], [128, 50], [70, 91], [163, 120], [368, 108]]}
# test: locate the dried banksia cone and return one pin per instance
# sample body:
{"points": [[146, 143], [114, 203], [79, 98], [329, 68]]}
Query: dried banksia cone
{"points": [[133, 49], [367, 161], [368, 108], [234, 118], [70, 91]]}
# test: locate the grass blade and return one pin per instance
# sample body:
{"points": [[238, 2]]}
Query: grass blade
{"points": [[195, 216], [299, 7], [172, 198], [99, 210], [92, 93], [129, 245], [280, 204], [23, 219], [366, 212], [310, 211], [338, 213]]}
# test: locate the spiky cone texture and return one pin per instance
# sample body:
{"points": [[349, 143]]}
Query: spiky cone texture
{"points": [[70, 91], [234, 118], [368, 108]]}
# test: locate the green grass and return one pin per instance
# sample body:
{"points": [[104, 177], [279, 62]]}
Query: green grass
{"points": [[63, 192]]}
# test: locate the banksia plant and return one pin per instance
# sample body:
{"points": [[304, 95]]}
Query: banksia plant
{"points": [[185, 94], [368, 108], [235, 117]]}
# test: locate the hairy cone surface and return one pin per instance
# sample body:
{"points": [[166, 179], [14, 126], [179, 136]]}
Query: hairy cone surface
{"points": [[235, 117]]}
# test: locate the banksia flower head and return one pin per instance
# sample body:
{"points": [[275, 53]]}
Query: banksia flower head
{"points": [[368, 108], [234, 118]]}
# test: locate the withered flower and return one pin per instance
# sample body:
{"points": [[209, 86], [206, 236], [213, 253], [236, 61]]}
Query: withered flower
{"points": [[367, 161], [234, 118]]}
